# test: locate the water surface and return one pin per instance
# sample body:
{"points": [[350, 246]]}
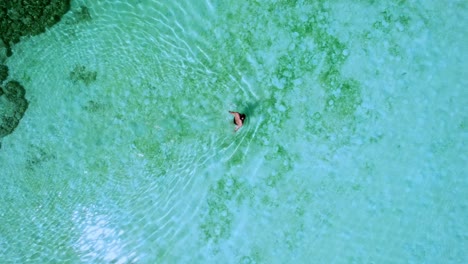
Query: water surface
{"points": [[354, 149]]}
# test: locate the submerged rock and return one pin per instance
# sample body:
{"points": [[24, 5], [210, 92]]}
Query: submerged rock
{"points": [[12, 109]]}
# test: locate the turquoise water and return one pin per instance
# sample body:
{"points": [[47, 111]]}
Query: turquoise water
{"points": [[354, 149]]}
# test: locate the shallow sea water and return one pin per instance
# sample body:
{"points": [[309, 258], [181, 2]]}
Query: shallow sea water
{"points": [[354, 148]]}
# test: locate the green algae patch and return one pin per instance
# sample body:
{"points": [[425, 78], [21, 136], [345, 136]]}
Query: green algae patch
{"points": [[81, 74], [302, 61], [37, 156], [217, 224], [346, 99], [79, 15], [93, 106]]}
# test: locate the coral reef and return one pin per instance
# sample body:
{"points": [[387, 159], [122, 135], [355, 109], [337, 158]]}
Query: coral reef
{"points": [[28, 17]]}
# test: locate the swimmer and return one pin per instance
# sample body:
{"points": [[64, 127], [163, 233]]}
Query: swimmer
{"points": [[238, 119]]}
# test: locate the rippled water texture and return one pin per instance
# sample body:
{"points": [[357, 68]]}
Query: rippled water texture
{"points": [[353, 151]]}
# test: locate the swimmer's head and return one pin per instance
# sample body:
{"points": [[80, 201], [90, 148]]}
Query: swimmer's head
{"points": [[242, 117]]}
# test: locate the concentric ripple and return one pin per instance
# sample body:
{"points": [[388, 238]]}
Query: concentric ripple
{"points": [[133, 87], [126, 95]]}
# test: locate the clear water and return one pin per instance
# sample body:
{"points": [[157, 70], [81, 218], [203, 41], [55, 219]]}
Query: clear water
{"points": [[354, 150]]}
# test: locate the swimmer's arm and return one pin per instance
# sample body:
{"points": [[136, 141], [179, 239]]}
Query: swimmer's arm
{"points": [[237, 119]]}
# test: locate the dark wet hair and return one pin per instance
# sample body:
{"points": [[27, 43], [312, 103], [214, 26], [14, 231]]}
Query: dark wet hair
{"points": [[241, 116]]}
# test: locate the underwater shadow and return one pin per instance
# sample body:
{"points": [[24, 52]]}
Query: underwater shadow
{"points": [[250, 109]]}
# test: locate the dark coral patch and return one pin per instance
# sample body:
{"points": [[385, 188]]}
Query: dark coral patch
{"points": [[28, 17], [13, 108], [14, 90], [3, 73], [20, 18]]}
